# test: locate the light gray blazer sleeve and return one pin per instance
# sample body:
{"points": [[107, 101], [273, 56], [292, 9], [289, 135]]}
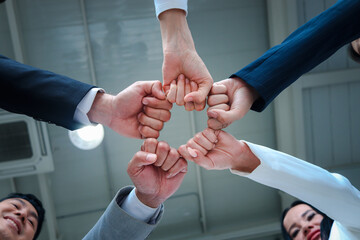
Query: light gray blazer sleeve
{"points": [[115, 223]]}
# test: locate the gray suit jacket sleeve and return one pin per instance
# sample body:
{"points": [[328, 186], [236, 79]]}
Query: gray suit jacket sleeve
{"points": [[115, 223]]}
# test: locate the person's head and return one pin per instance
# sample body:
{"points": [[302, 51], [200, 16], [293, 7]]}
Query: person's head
{"points": [[21, 217], [302, 221]]}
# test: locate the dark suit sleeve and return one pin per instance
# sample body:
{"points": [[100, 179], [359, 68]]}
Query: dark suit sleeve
{"points": [[304, 49], [43, 95]]}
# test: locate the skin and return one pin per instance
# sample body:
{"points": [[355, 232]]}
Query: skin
{"points": [[303, 222], [217, 150], [240, 98], [139, 111], [180, 57], [356, 45], [23, 213], [156, 171]]}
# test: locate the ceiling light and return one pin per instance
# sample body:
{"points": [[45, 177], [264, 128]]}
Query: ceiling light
{"points": [[88, 137]]}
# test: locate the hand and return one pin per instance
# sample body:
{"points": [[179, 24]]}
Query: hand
{"points": [[180, 88], [240, 97], [180, 57], [222, 153], [139, 111], [156, 171]]}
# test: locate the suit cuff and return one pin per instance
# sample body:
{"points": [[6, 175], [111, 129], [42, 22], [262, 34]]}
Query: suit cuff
{"points": [[84, 106], [164, 5]]}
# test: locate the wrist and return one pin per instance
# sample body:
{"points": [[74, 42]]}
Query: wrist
{"points": [[148, 199], [100, 111], [245, 160]]}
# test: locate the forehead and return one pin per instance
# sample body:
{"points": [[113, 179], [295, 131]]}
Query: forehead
{"points": [[294, 214], [23, 203]]}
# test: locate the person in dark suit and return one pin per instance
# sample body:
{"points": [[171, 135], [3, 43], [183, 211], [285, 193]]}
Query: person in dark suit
{"points": [[256, 85], [139, 111]]}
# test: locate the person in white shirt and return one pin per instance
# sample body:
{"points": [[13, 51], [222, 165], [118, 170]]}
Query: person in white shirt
{"points": [[330, 193]]}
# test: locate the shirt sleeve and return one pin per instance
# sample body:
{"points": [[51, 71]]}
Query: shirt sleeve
{"points": [[331, 193], [135, 208], [84, 106], [163, 5], [303, 50]]}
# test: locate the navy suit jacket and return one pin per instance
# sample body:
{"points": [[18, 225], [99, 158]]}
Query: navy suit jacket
{"points": [[41, 94], [303, 50]]}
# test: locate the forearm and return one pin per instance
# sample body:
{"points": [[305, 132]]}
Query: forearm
{"points": [[101, 109], [175, 32], [304, 49], [41, 94], [309, 183]]}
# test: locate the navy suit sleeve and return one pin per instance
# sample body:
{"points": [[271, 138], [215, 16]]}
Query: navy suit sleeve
{"points": [[43, 95], [303, 50]]}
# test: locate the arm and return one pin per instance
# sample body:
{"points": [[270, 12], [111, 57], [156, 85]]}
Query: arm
{"points": [[157, 172], [41, 94], [257, 84], [180, 56], [296, 177], [139, 111], [304, 49]]}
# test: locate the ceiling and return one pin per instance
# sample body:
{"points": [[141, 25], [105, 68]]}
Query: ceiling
{"points": [[126, 46]]}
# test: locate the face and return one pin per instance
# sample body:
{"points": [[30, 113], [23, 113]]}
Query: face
{"points": [[303, 222], [18, 219]]}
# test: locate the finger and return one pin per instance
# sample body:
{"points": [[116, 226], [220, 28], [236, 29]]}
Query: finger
{"points": [[185, 153], [192, 144], [202, 160], [140, 160], [171, 159], [150, 145], [198, 106], [148, 132], [189, 106], [156, 90], [211, 135], [214, 124], [156, 103], [218, 89], [166, 89], [162, 151], [179, 167], [202, 141], [199, 96], [159, 114], [171, 97], [151, 122], [223, 106], [217, 99], [180, 90]]}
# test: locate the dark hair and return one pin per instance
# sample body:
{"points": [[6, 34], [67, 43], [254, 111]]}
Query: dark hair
{"points": [[325, 225], [1, 1], [353, 54], [36, 204]]}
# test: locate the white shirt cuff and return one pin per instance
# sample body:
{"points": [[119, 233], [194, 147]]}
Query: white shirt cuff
{"points": [[84, 106], [135, 208], [163, 5]]}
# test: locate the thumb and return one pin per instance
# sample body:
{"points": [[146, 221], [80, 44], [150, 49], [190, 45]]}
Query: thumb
{"points": [[201, 159], [224, 117], [140, 160], [198, 96], [156, 90]]}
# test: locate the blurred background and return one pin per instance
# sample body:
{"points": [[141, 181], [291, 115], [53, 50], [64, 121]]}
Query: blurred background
{"points": [[118, 42]]}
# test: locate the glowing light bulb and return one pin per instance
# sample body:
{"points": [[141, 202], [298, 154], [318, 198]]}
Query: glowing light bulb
{"points": [[88, 137]]}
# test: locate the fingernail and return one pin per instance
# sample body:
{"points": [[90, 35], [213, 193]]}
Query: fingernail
{"points": [[138, 116], [184, 170], [151, 157], [192, 152], [145, 101], [190, 99], [170, 175]]}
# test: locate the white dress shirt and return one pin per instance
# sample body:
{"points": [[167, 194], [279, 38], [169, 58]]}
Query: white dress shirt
{"points": [[331, 193]]}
